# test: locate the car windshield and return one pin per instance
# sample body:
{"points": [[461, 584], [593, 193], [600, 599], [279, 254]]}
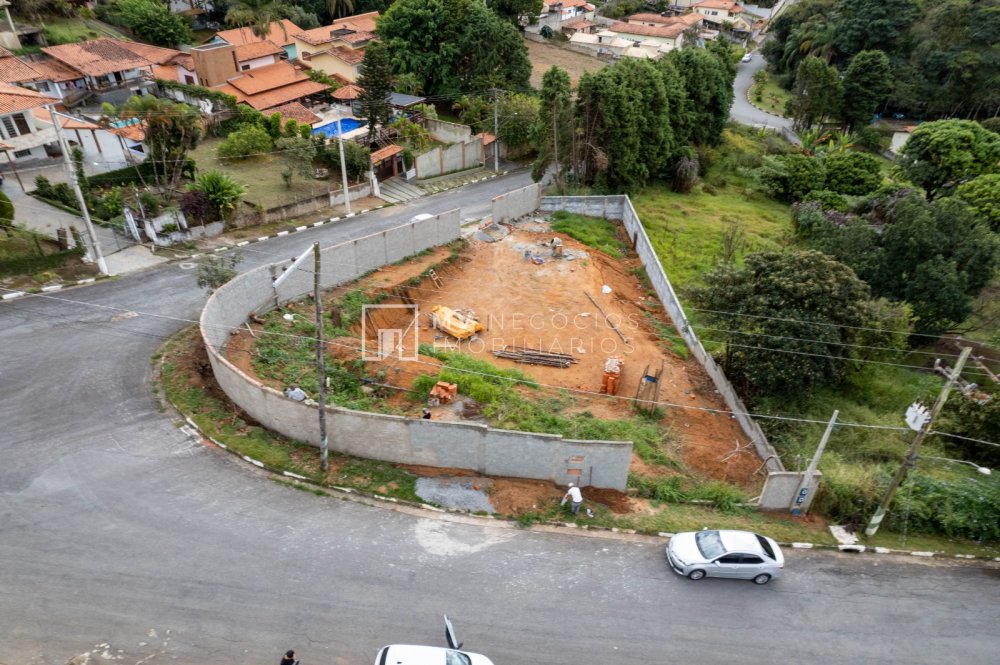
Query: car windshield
{"points": [[709, 544], [456, 658], [766, 546]]}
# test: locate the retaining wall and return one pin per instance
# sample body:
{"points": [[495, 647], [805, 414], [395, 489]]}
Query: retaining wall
{"points": [[456, 157], [447, 132], [620, 207], [517, 203], [392, 438]]}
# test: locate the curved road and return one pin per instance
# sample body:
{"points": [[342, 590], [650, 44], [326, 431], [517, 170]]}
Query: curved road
{"points": [[745, 112], [120, 541]]}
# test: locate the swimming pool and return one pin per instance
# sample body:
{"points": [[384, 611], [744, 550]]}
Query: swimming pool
{"points": [[330, 129]]}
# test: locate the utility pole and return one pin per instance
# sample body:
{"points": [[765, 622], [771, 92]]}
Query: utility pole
{"points": [[806, 485], [496, 131], [911, 456], [75, 184], [324, 451], [343, 166], [555, 136]]}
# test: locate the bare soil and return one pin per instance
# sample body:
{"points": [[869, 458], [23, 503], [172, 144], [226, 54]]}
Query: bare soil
{"points": [[544, 56], [545, 306]]}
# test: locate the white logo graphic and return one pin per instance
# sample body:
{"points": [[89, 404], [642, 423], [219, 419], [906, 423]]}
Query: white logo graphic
{"points": [[392, 328]]}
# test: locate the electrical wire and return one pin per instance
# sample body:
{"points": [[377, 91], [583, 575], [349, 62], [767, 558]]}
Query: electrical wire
{"points": [[531, 383]]}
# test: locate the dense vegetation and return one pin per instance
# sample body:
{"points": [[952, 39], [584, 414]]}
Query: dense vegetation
{"points": [[943, 57]]}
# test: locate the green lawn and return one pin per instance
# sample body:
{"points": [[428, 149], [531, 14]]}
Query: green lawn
{"points": [[688, 230], [260, 175], [68, 30], [773, 97]]}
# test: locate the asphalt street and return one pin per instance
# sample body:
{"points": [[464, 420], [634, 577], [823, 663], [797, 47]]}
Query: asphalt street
{"points": [[742, 110], [123, 540]]}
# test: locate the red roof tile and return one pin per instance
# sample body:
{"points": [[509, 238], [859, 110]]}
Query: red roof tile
{"points": [[386, 153], [294, 111], [14, 99], [13, 70], [97, 57], [347, 93], [246, 52], [662, 31], [275, 34], [361, 23]]}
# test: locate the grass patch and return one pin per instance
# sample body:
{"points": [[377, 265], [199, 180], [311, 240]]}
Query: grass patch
{"points": [[591, 231], [261, 175], [63, 30], [771, 97]]}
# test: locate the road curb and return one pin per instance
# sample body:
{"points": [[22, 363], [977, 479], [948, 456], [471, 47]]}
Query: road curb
{"points": [[547, 526], [750, 102]]}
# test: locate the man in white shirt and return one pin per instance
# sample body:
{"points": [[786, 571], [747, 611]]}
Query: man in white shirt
{"points": [[574, 495]]}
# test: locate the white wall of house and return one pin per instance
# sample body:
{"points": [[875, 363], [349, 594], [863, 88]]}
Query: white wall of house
{"points": [[254, 63], [26, 136], [185, 75]]}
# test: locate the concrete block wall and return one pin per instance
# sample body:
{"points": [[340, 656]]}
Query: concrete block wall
{"points": [[781, 487], [448, 132], [517, 203], [455, 157], [378, 436], [620, 207]]}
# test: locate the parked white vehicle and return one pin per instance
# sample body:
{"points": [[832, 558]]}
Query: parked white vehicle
{"points": [[738, 554], [412, 654]]}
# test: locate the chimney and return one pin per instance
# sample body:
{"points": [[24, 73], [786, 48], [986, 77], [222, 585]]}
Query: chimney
{"points": [[215, 63]]}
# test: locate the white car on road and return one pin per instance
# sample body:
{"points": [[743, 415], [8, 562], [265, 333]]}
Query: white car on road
{"points": [[738, 554], [412, 654]]}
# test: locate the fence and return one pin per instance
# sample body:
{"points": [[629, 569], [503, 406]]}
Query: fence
{"points": [[620, 207], [384, 437], [456, 157]]}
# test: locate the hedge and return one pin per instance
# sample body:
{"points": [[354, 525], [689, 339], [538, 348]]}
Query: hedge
{"points": [[6, 210], [198, 91], [26, 265], [125, 176]]}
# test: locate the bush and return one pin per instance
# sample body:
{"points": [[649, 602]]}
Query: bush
{"points": [[992, 124], [244, 116], [791, 177], [249, 141], [854, 173], [150, 203], [827, 199], [111, 204], [130, 175], [872, 139], [6, 210]]}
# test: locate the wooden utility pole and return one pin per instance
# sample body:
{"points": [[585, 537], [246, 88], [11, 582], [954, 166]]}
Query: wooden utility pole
{"points": [[324, 451], [911, 456]]}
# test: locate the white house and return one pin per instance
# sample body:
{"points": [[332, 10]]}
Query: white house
{"points": [[22, 134]]}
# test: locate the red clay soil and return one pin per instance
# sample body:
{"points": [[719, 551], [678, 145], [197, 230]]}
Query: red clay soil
{"points": [[546, 307]]}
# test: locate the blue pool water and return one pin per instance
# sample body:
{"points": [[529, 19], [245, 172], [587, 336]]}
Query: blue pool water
{"points": [[330, 129]]}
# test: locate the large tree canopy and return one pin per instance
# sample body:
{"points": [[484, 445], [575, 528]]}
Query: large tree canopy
{"points": [[812, 306], [454, 46], [941, 155], [708, 82], [375, 81], [867, 83]]}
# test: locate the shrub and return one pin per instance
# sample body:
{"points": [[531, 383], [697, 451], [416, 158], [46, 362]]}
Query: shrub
{"points": [[872, 139], [129, 175], [853, 173], [197, 207], [827, 199], [111, 204], [791, 177], [6, 210], [249, 141], [220, 189]]}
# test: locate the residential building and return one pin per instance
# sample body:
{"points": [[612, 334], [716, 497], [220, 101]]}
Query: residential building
{"points": [[581, 24], [278, 34], [664, 37], [718, 11], [24, 135], [337, 49], [568, 9], [273, 85]]}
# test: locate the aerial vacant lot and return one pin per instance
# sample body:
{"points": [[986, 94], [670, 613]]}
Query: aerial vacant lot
{"points": [[543, 56]]}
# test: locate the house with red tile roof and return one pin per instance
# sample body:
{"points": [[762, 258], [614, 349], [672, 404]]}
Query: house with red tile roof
{"points": [[271, 86], [279, 34], [568, 9], [337, 49], [24, 135]]}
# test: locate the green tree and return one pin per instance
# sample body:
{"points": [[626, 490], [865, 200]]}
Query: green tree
{"points": [[249, 141], [258, 15], [357, 159], [853, 173], [625, 136], [817, 93], [221, 189], [341, 8], [453, 46], [791, 177], [941, 155], [376, 81], [172, 129], [982, 194], [793, 315], [150, 20], [709, 91], [297, 153], [517, 114], [867, 83], [873, 24], [552, 132], [475, 111], [516, 12]]}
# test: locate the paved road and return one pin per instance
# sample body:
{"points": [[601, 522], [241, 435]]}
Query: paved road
{"points": [[742, 110], [116, 533]]}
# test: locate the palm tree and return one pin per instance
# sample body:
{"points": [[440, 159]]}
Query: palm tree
{"points": [[341, 8], [257, 14]]}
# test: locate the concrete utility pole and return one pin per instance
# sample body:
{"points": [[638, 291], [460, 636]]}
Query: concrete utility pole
{"points": [[75, 184], [911, 456], [496, 131], [806, 485], [343, 165], [320, 363]]}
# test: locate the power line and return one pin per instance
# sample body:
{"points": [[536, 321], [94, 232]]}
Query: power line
{"points": [[530, 383]]}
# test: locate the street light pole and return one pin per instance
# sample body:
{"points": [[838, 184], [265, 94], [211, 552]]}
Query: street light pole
{"points": [[911, 455], [343, 164], [320, 363], [75, 184]]}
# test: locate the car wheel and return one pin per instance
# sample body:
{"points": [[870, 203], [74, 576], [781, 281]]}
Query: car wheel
{"points": [[696, 574], [763, 578]]}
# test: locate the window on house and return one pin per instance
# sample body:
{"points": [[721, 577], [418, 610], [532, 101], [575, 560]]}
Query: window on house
{"points": [[189, 79], [15, 125], [22, 153], [42, 86], [244, 67]]}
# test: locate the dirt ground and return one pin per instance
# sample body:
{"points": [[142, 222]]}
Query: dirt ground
{"points": [[544, 56], [545, 306]]}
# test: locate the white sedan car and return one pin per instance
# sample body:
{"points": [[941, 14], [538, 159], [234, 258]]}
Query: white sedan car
{"points": [[747, 58], [411, 654], [738, 554]]}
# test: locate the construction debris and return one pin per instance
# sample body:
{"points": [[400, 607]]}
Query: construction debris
{"points": [[457, 323], [648, 392], [535, 356], [443, 393], [612, 375]]}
